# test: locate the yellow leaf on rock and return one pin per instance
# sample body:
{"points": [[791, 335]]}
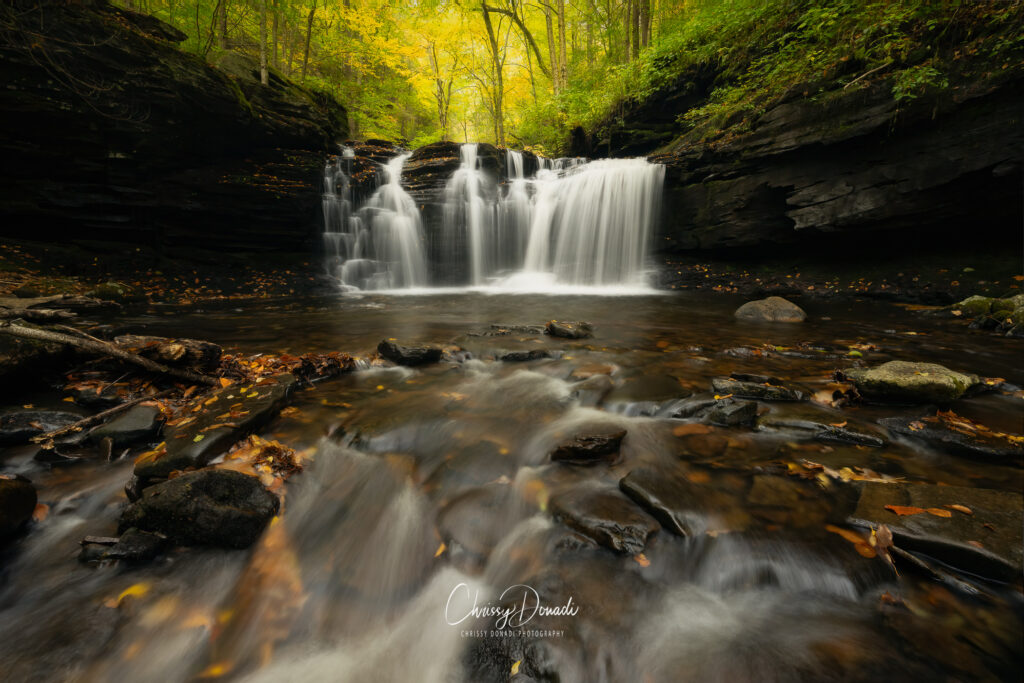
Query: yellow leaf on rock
{"points": [[440, 549], [961, 508], [939, 512], [642, 560], [515, 667]]}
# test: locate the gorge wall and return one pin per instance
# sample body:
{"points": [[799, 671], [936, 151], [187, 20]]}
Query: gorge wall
{"points": [[111, 133]]}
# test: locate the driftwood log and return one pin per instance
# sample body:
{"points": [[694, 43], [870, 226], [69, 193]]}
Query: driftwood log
{"points": [[193, 353], [96, 419], [102, 348]]}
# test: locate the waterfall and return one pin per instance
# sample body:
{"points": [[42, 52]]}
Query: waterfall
{"points": [[381, 245], [571, 223]]}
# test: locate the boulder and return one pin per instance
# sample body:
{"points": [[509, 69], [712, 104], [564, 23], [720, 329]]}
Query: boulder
{"points": [[589, 449], [729, 412], [210, 507], [981, 444], [20, 426], [763, 391], [220, 420], [569, 330], [605, 515], [905, 382], [17, 503], [774, 309], [985, 538], [138, 423], [409, 355]]}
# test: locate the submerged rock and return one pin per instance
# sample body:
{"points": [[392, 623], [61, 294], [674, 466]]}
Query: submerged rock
{"points": [[137, 424], [474, 522], [19, 427], [830, 433], [592, 391], [939, 433], [409, 355], [759, 390], [17, 503], [524, 356], [774, 309], [589, 449], [982, 535], [606, 516], [668, 497], [220, 420], [906, 382], [569, 330], [209, 507]]}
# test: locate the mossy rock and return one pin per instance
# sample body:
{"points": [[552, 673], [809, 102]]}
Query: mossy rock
{"points": [[116, 291], [973, 306], [903, 382]]}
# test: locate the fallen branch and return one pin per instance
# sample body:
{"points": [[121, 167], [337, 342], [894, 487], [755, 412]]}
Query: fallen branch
{"points": [[94, 419], [867, 73], [104, 349]]}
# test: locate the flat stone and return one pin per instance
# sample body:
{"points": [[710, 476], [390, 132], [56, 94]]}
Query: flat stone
{"points": [[774, 309], [981, 445], [17, 503], [210, 507], [730, 412], [569, 330], [134, 546], [830, 433], [138, 423], [589, 449], [19, 427], [409, 355], [994, 524], [668, 497], [905, 382], [221, 419], [764, 391], [605, 515], [524, 356]]}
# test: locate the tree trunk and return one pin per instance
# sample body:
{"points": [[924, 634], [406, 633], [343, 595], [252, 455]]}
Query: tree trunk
{"points": [[634, 29], [274, 38], [222, 23], [555, 69], [499, 87], [562, 64], [645, 23], [264, 76], [309, 35]]}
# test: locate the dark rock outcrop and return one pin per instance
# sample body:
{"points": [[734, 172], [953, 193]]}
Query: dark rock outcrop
{"points": [[590, 449], [569, 330], [137, 424], [111, 131], [606, 516], [209, 507], [409, 355]]}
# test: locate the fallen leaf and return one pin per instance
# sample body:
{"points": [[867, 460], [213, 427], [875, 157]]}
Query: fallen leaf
{"points": [[225, 382], [440, 549], [515, 667], [939, 512], [904, 510], [198, 438], [976, 544], [642, 560], [41, 512], [961, 508], [838, 424]]}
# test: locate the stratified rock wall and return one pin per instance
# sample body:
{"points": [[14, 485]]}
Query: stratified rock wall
{"points": [[110, 132]]}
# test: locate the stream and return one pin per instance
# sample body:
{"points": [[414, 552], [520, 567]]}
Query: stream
{"points": [[429, 491]]}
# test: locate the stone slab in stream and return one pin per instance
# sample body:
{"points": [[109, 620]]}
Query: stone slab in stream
{"points": [[904, 382], [759, 390], [669, 497], [524, 356], [212, 423], [605, 515], [476, 521], [208, 507], [827, 432], [409, 355], [134, 546], [589, 449], [986, 540], [569, 330], [981, 444], [137, 424], [20, 426]]}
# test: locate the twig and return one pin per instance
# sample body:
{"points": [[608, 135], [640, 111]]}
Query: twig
{"points": [[105, 349], [98, 417], [867, 73]]}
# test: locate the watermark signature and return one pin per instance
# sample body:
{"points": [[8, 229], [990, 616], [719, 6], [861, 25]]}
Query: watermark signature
{"points": [[514, 608]]}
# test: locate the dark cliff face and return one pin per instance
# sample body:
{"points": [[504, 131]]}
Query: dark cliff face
{"points": [[828, 171], [110, 132]]}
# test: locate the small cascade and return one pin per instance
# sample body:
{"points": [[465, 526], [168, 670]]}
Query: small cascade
{"points": [[515, 209], [469, 216], [380, 246]]}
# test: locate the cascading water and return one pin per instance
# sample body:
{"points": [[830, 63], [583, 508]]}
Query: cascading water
{"points": [[381, 245], [573, 223]]}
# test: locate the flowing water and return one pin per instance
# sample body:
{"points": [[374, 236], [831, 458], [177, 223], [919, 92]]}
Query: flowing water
{"points": [[352, 583], [574, 223]]}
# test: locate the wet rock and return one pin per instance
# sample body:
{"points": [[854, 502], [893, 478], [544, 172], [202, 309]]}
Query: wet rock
{"points": [[905, 382], [209, 507], [987, 541], [730, 413], [668, 496], [137, 424], [592, 370], [764, 391], [471, 467], [569, 330], [772, 491], [409, 355], [524, 356], [592, 392], [589, 449], [476, 521], [193, 353], [830, 433], [687, 407], [134, 546], [979, 444], [774, 309], [19, 427], [17, 503], [606, 516], [220, 420]]}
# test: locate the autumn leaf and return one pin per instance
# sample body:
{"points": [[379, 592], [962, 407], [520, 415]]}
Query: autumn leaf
{"points": [[860, 543], [440, 550], [961, 508], [939, 512], [904, 510], [225, 382], [642, 560], [515, 667]]}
